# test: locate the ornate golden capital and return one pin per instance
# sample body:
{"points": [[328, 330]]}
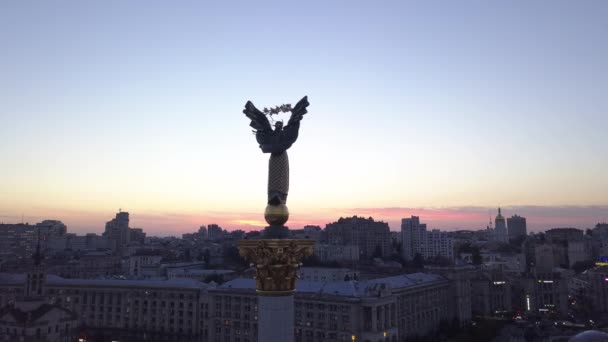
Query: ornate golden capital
{"points": [[276, 262]]}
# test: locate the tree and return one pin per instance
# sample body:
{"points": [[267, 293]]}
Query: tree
{"points": [[438, 260], [418, 261], [313, 261], [206, 256], [589, 232], [252, 234], [377, 252], [231, 254], [217, 278], [465, 248], [397, 245], [517, 241], [581, 266], [507, 248], [476, 257]]}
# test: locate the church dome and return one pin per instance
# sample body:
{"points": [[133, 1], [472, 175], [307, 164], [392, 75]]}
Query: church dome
{"points": [[499, 216]]}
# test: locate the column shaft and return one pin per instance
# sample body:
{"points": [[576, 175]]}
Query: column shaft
{"points": [[276, 319]]}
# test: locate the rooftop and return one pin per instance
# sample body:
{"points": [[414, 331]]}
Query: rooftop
{"points": [[349, 288], [53, 280], [336, 288]]}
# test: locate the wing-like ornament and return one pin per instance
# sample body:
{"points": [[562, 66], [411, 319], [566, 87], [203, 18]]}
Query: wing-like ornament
{"points": [[259, 121], [290, 132], [297, 113]]}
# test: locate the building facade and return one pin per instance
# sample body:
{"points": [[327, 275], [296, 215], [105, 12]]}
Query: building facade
{"points": [[327, 274], [413, 236], [491, 294], [372, 237], [340, 253], [517, 227], [118, 233], [19, 240], [598, 288], [428, 244], [214, 232], [75, 242], [385, 309]]}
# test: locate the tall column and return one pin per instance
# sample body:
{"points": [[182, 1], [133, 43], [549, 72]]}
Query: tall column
{"points": [[276, 263], [276, 258], [275, 318]]}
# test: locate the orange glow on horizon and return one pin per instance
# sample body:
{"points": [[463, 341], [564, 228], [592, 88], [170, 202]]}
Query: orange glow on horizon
{"points": [[175, 223], [254, 223]]}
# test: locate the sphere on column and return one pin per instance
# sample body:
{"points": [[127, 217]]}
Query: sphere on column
{"points": [[276, 215]]}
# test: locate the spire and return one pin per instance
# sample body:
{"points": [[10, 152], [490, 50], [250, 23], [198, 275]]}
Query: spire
{"points": [[499, 216]]}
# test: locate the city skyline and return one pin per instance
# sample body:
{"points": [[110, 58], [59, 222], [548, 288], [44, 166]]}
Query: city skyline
{"points": [[462, 218], [442, 111]]}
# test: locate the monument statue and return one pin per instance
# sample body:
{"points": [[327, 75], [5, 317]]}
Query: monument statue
{"points": [[276, 142], [276, 257]]}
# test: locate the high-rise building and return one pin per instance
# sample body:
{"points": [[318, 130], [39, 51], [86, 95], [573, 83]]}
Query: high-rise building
{"points": [[214, 232], [137, 235], [75, 242], [118, 233], [517, 227], [413, 237], [372, 237], [17, 239], [544, 259], [51, 228], [564, 235], [439, 244], [500, 228], [416, 240], [202, 233], [600, 232], [20, 239], [312, 232]]}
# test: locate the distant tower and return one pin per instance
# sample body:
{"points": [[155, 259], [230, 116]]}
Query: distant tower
{"points": [[118, 233], [517, 227], [500, 228], [202, 233], [413, 237]]}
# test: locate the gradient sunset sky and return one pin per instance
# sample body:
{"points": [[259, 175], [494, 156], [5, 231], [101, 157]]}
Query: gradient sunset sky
{"points": [[445, 110]]}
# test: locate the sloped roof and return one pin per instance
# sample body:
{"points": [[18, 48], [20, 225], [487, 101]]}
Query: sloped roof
{"points": [[151, 283], [12, 279], [179, 283], [409, 280], [29, 317]]}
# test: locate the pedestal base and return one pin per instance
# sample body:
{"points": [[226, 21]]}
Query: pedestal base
{"points": [[276, 318], [275, 232]]}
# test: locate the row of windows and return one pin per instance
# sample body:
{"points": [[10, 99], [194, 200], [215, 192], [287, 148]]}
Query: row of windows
{"points": [[322, 306]]}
